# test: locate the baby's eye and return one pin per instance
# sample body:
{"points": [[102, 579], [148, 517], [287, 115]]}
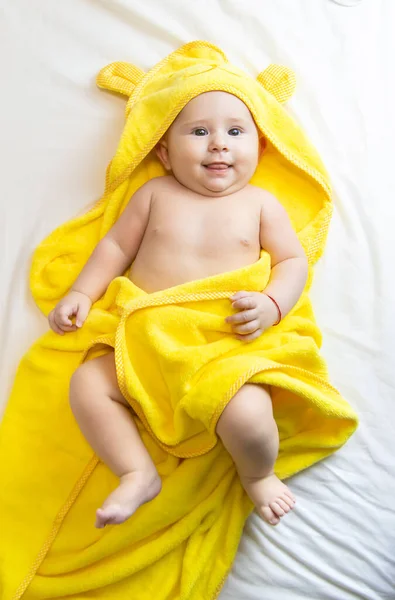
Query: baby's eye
{"points": [[200, 131], [234, 131]]}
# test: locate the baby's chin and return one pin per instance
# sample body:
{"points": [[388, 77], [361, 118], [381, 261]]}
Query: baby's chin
{"points": [[214, 188], [220, 188]]}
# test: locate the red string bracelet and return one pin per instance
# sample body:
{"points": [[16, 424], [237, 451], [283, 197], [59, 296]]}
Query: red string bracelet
{"points": [[278, 309]]}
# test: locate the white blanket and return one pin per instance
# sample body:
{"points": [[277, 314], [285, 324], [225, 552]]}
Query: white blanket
{"points": [[58, 132]]}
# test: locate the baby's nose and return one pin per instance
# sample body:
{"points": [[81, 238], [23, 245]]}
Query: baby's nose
{"points": [[218, 143]]}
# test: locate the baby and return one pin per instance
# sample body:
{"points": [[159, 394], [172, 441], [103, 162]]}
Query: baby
{"points": [[204, 218]]}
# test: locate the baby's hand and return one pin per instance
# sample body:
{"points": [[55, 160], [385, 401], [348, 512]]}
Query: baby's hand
{"points": [[256, 313], [75, 304]]}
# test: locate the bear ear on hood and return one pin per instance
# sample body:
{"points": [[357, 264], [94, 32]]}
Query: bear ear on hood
{"points": [[123, 77], [279, 81], [120, 77]]}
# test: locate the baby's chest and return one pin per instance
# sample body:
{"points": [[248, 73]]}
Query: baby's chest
{"points": [[210, 229]]}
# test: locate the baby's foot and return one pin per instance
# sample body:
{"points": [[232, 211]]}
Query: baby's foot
{"points": [[134, 489], [271, 497]]}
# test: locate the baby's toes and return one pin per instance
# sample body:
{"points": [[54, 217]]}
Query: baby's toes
{"points": [[289, 499], [269, 516], [287, 492], [101, 519], [276, 508], [107, 516], [281, 502]]}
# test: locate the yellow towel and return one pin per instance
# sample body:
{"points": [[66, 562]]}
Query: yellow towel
{"points": [[177, 365]]}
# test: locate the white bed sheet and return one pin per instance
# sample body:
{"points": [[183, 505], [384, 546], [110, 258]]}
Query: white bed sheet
{"points": [[58, 132]]}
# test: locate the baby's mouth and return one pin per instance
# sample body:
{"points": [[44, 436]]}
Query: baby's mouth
{"points": [[217, 166]]}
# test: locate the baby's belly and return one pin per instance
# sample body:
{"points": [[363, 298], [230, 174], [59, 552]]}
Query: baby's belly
{"points": [[152, 272]]}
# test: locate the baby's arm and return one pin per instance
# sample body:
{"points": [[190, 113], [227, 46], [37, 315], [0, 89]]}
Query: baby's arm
{"points": [[256, 311], [288, 260], [111, 257]]}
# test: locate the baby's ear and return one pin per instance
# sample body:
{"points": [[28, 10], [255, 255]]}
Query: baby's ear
{"points": [[119, 77], [262, 145], [163, 154], [279, 81]]}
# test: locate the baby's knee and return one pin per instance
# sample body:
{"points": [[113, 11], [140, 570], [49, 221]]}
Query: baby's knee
{"points": [[250, 405], [81, 381], [95, 379], [249, 413]]}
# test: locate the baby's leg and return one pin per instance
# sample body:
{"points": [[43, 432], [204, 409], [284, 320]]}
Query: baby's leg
{"points": [[249, 433], [107, 424]]}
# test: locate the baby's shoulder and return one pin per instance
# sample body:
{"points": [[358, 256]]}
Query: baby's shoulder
{"points": [[271, 208], [162, 182], [152, 190], [261, 196]]}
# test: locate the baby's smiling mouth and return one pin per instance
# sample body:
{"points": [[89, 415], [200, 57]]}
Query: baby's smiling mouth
{"points": [[217, 166]]}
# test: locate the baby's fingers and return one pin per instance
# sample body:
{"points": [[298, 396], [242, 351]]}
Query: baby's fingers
{"points": [[251, 337], [247, 328], [62, 321], [81, 315], [239, 295], [68, 328], [53, 325], [243, 316], [63, 316], [244, 303]]}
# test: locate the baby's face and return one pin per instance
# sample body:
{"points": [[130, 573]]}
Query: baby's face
{"points": [[212, 147]]}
